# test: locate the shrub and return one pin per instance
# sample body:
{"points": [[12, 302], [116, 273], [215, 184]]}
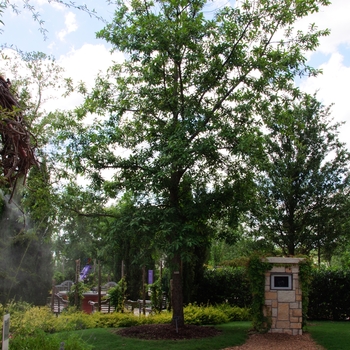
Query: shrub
{"points": [[106, 320], [128, 320], [27, 322], [40, 341], [75, 320], [235, 313], [204, 315], [163, 317]]}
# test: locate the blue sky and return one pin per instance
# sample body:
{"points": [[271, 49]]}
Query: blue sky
{"points": [[71, 40], [67, 28]]}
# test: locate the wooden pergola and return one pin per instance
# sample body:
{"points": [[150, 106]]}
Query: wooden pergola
{"points": [[17, 147]]}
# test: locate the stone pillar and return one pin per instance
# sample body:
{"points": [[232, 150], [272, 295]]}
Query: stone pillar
{"points": [[283, 296]]}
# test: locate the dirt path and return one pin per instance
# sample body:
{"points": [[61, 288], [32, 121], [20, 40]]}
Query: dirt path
{"points": [[271, 341]]}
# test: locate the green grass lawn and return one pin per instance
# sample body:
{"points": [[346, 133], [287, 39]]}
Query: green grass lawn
{"points": [[331, 335], [234, 333]]}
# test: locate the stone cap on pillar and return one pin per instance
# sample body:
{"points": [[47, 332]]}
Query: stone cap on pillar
{"points": [[282, 260]]}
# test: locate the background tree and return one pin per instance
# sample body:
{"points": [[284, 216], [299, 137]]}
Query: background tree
{"points": [[28, 222], [129, 243], [303, 190], [178, 128], [25, 252]]}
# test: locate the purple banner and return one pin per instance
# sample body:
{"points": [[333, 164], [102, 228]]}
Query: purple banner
{"points": [[150, 276]]}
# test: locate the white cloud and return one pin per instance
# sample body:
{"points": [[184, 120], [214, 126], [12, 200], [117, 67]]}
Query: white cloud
{"points": [[332, 85], [335, 75], [83, 65], [336, 18], [71, 25], [53, 4], [332, 88]]}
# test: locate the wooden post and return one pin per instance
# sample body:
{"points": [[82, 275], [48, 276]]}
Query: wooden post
{"points": [[53, 295], [161, 289], [77, 273], [122, 273], [143, 289], [77, 270], [99, 285], [170, 306]]}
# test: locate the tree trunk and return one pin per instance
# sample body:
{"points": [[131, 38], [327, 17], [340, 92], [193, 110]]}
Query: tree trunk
{"points": [[176, 294]]}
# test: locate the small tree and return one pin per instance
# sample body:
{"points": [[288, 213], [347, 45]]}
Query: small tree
{"points": [[156, 294], [117, 295], [303, 189]]}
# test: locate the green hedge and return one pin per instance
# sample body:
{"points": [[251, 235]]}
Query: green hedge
{"points": [[329, 297], [225, 285]]}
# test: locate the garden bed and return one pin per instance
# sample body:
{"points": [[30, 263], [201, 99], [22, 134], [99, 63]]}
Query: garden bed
{"points": [[168, 332]]}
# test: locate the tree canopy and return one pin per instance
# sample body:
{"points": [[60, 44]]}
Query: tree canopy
{"points": [[303, 189], [179, 118]]}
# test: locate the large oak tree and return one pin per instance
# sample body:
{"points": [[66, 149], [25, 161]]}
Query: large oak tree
{"points": [[178, 126]]}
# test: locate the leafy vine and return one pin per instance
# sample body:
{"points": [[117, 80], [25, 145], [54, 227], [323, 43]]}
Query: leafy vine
{"points": [[305, 269], [257, 268]]}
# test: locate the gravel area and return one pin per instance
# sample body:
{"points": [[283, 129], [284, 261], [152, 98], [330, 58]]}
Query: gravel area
{"points": [[273, 341]]}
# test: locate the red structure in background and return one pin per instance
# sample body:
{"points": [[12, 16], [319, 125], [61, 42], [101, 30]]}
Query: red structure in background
{"points": [[90, 296]]}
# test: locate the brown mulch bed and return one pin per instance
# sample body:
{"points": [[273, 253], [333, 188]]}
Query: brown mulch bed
{"points": [[255, 341], [168, 332]]}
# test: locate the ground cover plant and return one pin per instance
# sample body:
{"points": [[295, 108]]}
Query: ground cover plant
{"points": [[331, 335]]}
